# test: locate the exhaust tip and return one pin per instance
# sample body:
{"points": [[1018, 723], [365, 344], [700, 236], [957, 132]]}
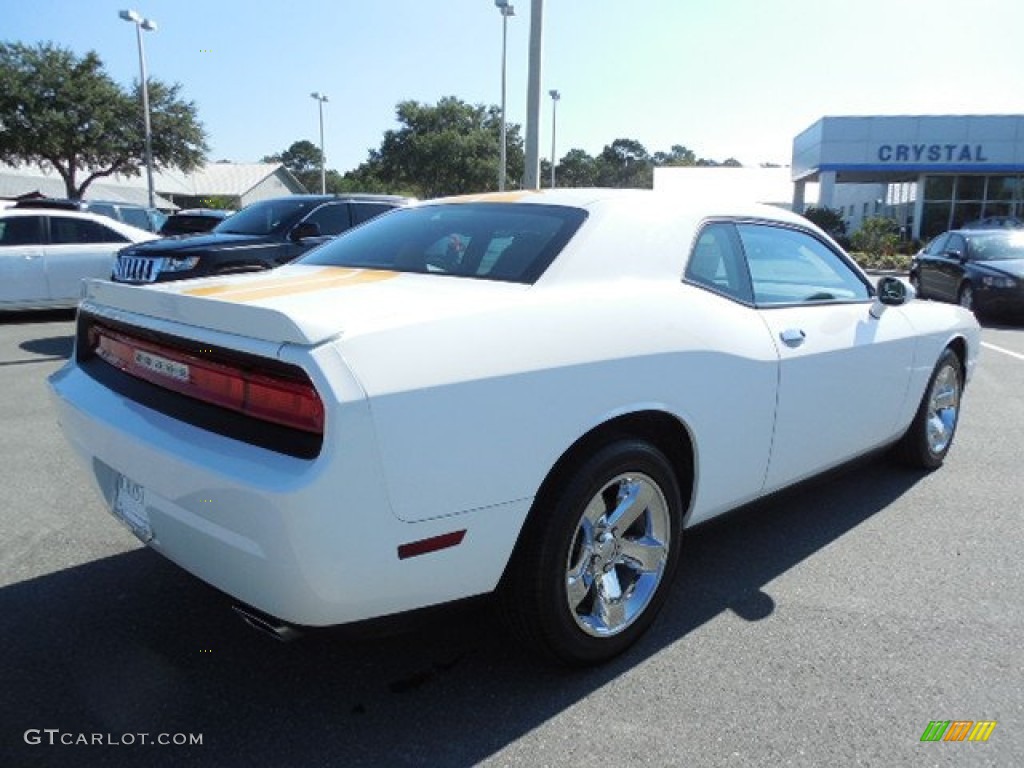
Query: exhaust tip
{"points": [[267, 625]]}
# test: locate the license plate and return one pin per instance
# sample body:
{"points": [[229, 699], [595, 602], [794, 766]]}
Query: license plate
{"points": [[161, 365], [130, 507]]}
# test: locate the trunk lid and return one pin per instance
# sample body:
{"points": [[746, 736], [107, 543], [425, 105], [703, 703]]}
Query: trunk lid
{"points": [[304, 304]]}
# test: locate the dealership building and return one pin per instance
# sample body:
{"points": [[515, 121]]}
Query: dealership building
{"points": [[929, 173]]}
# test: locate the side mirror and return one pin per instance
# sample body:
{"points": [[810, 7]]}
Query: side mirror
{"points": [[305, 229], [893, 292]]}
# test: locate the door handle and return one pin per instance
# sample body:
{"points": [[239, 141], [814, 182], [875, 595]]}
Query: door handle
{"points": [[793, 337]]}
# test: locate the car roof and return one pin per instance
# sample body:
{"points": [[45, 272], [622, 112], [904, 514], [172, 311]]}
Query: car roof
{"points": [[593, 197], [354, 196], [118, 226]]}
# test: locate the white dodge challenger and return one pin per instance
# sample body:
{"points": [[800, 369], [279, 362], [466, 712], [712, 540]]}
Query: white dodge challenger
{"points": [[531, 394]]}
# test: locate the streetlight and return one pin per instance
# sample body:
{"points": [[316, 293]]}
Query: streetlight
{"points": [[506, 11], [321, 98], [150, 26], [555, 96]]}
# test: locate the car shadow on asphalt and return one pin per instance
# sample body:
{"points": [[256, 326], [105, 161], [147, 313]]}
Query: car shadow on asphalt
{"points": [[130, 644], [51, 347]]}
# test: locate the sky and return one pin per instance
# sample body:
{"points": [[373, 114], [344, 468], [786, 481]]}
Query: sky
{"points": [[725, 78]]}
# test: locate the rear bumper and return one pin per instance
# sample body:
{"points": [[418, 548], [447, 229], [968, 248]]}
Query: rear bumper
{"points": [[312, 542]]}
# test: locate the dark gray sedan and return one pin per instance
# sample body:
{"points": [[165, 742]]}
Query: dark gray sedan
{"points": [[980, 269]]}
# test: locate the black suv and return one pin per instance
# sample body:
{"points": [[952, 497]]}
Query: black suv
{"points": [[261, 236]]}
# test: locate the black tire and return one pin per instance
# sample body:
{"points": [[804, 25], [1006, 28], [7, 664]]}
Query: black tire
{"points": [[915, 283], [965, 298], [930, 435], [571, 539]]}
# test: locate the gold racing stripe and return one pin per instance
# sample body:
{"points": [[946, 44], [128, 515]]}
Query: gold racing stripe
{"points": [[491, 197], [322, 279]]}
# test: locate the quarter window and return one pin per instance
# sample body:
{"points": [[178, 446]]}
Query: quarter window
{"points": [[365, 211], [789, 266], [717, 263]]}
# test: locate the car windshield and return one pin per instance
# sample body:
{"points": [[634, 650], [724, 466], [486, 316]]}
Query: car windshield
{"points": [[268, 217], [491, 241], [998, 246]]}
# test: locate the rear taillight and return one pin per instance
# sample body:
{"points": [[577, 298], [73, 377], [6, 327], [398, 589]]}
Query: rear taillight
{"points": [[286, 400]]}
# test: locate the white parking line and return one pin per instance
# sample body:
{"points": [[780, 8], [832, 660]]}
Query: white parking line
{"points": [[1004, 351]]}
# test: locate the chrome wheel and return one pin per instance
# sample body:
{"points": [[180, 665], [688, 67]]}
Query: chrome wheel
{"points": [[618, 554], [943, 407]]}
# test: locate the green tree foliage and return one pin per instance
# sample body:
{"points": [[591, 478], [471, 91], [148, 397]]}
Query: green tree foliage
{"points": [[677, 156], [625, 163], [576, 169], [877, 236], [444, 149], [63, 111], [829, 219], [302, 158]]}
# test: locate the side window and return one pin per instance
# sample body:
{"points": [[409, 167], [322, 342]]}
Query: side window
{"points": [[21, 230], [717, 263], [956, 243], [789, 266], [333, 219], [365, 211], [937, 246], [64, 231]]}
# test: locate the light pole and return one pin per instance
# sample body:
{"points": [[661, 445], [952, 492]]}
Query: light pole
{"points": [[506, 11], [150, 26], [321, 98], [531, 177], [555, 96]]}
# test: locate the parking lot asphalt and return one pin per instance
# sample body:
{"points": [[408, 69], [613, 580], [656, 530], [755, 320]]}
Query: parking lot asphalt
{"points": [[826, 626]]}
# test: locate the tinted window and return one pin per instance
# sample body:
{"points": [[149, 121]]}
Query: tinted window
{"points": [[365, 211], [333, 219], [956, 243], [266, 217], [21, 230], [64, 231], [936, 246], [184, 223], [998, 246], [493, 241], [787, 266], [717, 263]]}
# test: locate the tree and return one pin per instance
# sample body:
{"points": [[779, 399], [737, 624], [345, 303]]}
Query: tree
{"points": [[625, 163], [877, 236], [303, 159], [677, 156], [65, 112], [828, 219], [444, 149], [576, 169]]}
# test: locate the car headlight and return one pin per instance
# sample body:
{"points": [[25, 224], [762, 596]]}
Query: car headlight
{"points": [[182, 264], [991, 281]]}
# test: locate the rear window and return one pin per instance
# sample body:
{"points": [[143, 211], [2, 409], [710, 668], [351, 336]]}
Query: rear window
{"points": [[490, 241]]}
